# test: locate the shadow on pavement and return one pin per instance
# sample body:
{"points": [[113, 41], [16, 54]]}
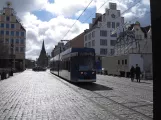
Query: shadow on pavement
{"points": [[92, 86]]}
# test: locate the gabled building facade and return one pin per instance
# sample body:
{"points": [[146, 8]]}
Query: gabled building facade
{"points": [[99, 36], [135, 39], [13, 35]]}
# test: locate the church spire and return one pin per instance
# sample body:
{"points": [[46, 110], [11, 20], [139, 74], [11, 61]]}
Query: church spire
{"points": [[42, 60], [43, 46]]}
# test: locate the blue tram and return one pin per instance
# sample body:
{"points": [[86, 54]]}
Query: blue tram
{"points": [[75, 64]]}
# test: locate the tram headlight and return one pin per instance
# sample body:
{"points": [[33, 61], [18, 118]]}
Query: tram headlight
{"points": [[81, 72], [93, 72]]}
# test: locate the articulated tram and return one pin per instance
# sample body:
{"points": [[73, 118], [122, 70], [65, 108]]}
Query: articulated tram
{"points": [[75, 65]]}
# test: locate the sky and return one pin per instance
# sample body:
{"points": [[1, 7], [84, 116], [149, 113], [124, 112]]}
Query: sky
{"points": [[49, 20]]}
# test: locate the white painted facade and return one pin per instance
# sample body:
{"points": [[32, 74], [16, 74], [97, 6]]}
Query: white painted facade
{"points": [[94, 36], [136, 49], [141, 41]]}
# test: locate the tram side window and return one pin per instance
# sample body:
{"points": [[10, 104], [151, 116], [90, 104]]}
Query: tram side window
{"points": [[63, 65], [69, 66], [66, 65]]}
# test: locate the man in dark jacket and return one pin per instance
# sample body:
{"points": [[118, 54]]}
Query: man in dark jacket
{"points": [[137, 72], [132, 73]]}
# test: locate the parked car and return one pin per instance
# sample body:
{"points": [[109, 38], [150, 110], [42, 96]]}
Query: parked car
{"points": [[39, 69]]}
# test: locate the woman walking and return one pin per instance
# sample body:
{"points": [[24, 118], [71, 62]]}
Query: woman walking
{"points": [[132, 73]]}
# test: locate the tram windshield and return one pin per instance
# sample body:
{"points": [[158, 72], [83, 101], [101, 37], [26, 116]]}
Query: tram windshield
{"points": [[86, 63]]}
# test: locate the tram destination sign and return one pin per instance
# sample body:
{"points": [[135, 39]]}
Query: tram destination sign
{"points": [[86, 54]]}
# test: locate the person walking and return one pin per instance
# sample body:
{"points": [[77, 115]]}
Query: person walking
{"points": [[137, 72], [132, 73]]}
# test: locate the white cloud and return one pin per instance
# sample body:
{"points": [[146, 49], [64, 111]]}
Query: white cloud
{"points": [[67, 7], [53, 30], [146, 2], [25, 5], [78, 13]]}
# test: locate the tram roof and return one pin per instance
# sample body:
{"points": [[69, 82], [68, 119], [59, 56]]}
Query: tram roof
{"points": [[71, 50]]}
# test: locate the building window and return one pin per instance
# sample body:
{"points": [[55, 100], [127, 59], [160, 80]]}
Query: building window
{"points": [[86, 45], [103, 33], [12, 33], [93, 34], [17, 33], [22, 41], [7, 26], [103, 42], [12, 26], [12, 41], [7, 32], [89, 44], [11, 49], [2, 25], [113, 6], [109, 24], [21, 49], [22, 33], [112, 51], [89, 36], [125, 61], [2, 32], [103, 51], [118, 13], [17, 49], [118, 62], [17, 41], [117, 24], [93, 42], [7, 41], [113, 24], [7, 18], [112, 42], [86, 38], [122, 62]]}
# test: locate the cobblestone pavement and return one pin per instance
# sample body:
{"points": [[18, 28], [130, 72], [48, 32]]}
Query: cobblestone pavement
{"points": [[41, 95]]}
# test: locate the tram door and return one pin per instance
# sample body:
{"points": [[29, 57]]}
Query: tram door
{"points": [[74, 68]]}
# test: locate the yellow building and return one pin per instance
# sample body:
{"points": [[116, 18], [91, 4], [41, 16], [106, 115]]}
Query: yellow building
{"points": [[13, 34]]}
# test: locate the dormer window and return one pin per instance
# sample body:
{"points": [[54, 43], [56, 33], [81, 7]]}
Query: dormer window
{"points": [[7, 18]]}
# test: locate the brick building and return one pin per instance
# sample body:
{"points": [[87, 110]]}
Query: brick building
{"points": [[13, 35]]}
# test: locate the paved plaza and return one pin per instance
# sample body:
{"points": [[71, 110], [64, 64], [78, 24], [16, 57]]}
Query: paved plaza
{"points": [[43, 96]]}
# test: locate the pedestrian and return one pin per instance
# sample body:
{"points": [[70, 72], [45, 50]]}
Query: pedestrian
{"points": [[137, 72], [132, 73]]}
